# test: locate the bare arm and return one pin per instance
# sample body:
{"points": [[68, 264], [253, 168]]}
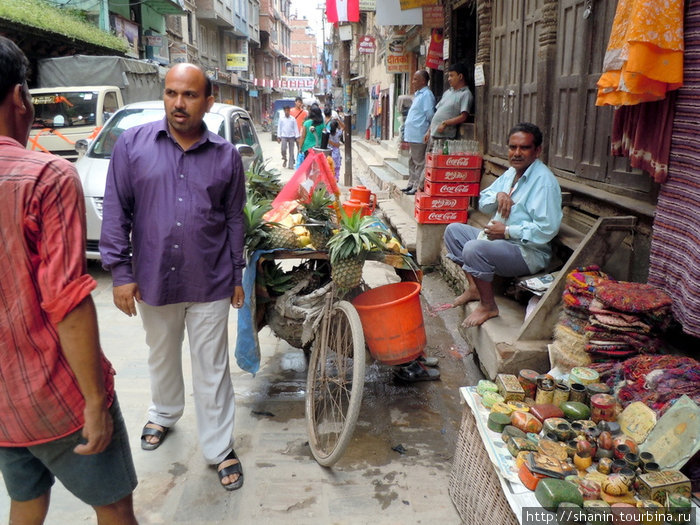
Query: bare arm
{"points": [[80, 343]]}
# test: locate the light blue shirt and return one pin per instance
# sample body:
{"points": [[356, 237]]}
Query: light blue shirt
{"points": [[536, 213], [419, 114]]}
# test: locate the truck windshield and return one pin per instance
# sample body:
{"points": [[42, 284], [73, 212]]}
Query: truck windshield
{"points": [[62, 109], [128, 118]]}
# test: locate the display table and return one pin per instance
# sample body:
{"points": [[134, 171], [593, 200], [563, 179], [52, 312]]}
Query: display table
{"points": [[484, 484]]}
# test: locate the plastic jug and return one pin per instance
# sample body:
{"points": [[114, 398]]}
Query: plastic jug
{"points": [[352, 206], [365, 196]]}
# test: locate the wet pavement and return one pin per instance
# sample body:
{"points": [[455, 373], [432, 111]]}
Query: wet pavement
{"points": [[372, 483]]}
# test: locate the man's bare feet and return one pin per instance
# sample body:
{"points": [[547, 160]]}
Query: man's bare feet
{"points": [[480, 315], [470, 295]]}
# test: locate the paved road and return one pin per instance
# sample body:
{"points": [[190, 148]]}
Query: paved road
{"points": [[283, 484]]}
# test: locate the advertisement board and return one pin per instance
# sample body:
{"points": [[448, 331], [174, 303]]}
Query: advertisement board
{"points": [[397, 59], [236, 62]]}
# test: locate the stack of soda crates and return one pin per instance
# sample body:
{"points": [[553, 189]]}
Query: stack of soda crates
{"points": [[449, 182]]}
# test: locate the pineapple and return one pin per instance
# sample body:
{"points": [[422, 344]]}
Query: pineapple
{"points": [[348, 248], [318, 215], [263, 182], [255, 231], [281, 237]]}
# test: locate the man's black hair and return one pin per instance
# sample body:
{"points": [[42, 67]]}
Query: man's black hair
{"points": [[299, 99], [208, 86], [14, 66], [527, 127], [425, 75], [327, 111], [460, 69], [287, 107]]}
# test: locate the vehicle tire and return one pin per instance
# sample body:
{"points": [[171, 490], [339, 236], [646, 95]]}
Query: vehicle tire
{"points": [[334, 384]]}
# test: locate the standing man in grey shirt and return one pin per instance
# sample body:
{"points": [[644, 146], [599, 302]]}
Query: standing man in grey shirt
{"points": [[417, 124], [451, 111]]}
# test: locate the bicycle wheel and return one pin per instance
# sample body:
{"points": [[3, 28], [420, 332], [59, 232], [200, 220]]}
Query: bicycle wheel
{"points": [[334, 383]]}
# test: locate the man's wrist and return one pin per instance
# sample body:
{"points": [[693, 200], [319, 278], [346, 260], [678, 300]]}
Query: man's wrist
{"points": [[506, 233]]}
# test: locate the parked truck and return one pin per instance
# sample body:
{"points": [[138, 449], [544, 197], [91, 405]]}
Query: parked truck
{"points": [[76, 95]]}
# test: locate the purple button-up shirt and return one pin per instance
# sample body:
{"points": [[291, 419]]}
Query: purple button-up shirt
{"points": [[184, 211]]}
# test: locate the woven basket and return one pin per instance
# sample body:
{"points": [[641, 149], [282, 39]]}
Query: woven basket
{"points": [[474, 487]]}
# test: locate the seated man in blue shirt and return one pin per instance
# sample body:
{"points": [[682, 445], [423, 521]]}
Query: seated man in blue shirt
{"points": [[526, 203]]}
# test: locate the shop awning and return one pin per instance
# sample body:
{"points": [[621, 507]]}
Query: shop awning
{"points": [[167, 7]]}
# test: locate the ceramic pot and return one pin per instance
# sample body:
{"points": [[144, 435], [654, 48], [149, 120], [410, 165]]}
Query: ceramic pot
{"points": [[582, 462], [577, 392], [632, 460], [605, 440], [603, 453], [624, 440], [605, 465], [621, 450], [586, 448], [618, 465]]}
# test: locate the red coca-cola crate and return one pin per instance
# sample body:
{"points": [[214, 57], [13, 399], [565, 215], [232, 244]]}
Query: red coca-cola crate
{"points": [[430, 216], [452, 175], [452, 189], [425, 202], [462, 162]]}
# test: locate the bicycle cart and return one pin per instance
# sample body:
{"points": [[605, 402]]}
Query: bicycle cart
{"points": [[328, 327]]}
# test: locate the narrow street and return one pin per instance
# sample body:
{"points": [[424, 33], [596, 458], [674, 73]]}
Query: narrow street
{"points": [[372, 483]]}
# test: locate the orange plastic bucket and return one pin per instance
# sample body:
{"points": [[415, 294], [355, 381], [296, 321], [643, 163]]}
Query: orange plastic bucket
{"points": [[392, 321]]}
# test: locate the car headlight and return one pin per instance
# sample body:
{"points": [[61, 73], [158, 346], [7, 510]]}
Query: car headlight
{"points": [[97, 203]]}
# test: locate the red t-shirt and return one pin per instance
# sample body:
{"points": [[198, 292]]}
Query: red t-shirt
{"points": [[43, 277]]}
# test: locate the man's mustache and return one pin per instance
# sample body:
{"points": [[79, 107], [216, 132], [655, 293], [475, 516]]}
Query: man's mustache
{"points": [[178, 113]]}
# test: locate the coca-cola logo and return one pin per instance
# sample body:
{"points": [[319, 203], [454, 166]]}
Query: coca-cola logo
{"points": [[442, 216], [454, 188], [443, 203], [457, 161], [455, 175]]}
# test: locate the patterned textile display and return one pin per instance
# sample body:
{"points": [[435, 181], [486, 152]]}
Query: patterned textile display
{"points": [[568, 347], [625, 319], [643, 133], [644, 58], [655, 380], [674, 263]]}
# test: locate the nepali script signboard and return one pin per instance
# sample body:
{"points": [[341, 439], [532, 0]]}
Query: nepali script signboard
{"points": [[367, 45], [397, 59]]}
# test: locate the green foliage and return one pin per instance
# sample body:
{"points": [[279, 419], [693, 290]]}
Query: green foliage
{"points": [[317, 208], [357, 235], [255, 231], [45, 15], [274, 278], [261, 181]]}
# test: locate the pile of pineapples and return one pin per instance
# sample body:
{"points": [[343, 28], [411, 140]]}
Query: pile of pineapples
{"points": [[348, 248]]}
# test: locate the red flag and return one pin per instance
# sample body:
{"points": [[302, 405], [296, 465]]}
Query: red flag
{"points": [[342, 11]]}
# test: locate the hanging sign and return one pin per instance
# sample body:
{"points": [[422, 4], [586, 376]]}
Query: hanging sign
{"points": [[397, 59], [367, 45], [368, 5], [433, 16], [236, 62], [411, 4], [434, 59]]}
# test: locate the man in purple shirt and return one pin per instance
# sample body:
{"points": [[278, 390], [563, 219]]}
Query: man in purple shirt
{"points": [[178, 190]]}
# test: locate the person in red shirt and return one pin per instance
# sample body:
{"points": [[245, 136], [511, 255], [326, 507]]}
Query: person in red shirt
{"points": [[59, 416], [299, 113]]}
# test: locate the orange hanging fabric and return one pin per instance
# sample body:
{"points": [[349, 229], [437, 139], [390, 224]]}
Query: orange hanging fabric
{"points": [[644, 59]]}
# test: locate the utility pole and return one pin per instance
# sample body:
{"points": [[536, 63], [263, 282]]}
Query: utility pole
{"points": [[345, 76]]}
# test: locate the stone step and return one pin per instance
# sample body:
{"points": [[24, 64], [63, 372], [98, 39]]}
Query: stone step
{"points": [[368, 153], [400, 169], [403, 224], [384, 177], [365, 180], [495, 342]]}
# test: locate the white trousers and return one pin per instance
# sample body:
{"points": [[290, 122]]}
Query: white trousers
{"points": [[207, 330]]}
